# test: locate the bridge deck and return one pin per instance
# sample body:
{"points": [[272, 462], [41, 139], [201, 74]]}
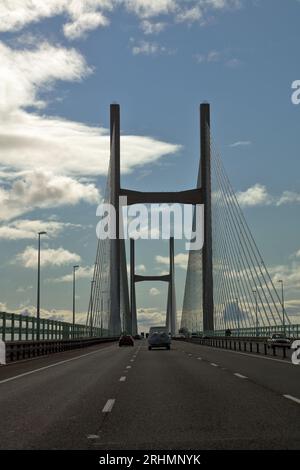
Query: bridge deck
{"points": [[168, 400]]}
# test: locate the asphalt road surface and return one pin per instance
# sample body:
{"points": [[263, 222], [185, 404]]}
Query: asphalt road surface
{"points": [[192, 397]]}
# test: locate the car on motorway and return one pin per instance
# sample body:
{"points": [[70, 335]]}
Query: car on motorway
{"points": [[137, 336], [278, 340], [126, 340], [159, 340], [179, 336], [194, 335]]}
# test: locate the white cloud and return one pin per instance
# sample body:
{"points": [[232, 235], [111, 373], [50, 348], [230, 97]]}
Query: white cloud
{"points": [[53, 314], [149, 48], [83, 15], [154, 291], [34, 147], [257, 195], [139, 268], [49, 257], [87, 15], [38, 189], [241, 143], [190, 15], [147, 317], [25, 73], [83, 272], [150, 8], [149, 27], [25, 229], [180, 260], [289, 197]]}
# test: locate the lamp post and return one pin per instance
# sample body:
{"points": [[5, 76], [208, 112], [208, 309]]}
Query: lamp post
{"points": [[256, 311], [91, 320], [38, 286], [73, 324], [282, 304]]}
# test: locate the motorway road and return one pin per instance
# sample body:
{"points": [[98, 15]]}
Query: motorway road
{"points": [[192, 397]]}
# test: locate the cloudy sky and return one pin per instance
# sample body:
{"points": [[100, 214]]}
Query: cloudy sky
{"points": [[62, 62]]}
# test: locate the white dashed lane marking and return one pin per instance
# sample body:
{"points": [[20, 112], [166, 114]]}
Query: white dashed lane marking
{"points": [[128, 367], [123, 378], [240, 376], [109, 405], [213, 364]]}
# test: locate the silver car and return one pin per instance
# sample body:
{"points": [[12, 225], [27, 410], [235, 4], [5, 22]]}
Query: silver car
{"points": [[159, 340]]}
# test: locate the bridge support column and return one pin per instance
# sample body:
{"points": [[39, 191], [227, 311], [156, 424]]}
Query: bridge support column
{"points": [[171, 322], [133, 315], [115, 258], [207, 267]]}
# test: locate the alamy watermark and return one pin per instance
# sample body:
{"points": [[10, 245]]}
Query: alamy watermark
{"points": [[296, 353], [152, 222], [296, 93]]}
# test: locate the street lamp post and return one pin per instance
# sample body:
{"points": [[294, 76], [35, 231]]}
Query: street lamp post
{"points": [[256, 312], [282, 304], [73, 323], [91, 318], [38, 286]]}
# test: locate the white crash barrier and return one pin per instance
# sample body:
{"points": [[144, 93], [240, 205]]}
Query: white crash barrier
{"points": [[2, 352]]}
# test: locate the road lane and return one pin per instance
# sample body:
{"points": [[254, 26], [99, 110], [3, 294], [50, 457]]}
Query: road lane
{"points": [[60, 406], [164, 400], [174, 401], [282, 377]]}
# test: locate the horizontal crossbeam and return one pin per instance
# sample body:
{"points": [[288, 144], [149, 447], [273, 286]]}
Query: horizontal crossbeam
{"points": [[139, 278], [192, 196]]}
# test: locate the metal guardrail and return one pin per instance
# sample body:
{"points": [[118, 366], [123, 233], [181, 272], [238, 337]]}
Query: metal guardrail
{"points": [[18, 350], [292, 331], [244, 345], [14, 327]]}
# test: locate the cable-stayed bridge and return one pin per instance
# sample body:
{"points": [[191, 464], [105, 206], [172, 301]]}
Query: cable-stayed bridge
{"points": [[209, 391], [228, 285]]}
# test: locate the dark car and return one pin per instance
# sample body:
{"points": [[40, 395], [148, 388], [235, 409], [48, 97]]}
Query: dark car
{"points": [[126, 340], [159, 340], [137, 337], [278, 340]]}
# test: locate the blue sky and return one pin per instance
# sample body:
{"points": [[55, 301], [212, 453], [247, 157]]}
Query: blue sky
{"points": [[63, 63]]}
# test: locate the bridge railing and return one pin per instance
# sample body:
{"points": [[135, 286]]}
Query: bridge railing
{"points": [[292, 331], [20, 350], [14, 327], [245, 345]]}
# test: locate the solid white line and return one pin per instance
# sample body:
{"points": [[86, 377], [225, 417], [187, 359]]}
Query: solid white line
{"points": [[289, 397], [122, 379], [240, 376], [213, 364], [254, 356], [109, 405], [50, 365], [128, 367]]}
